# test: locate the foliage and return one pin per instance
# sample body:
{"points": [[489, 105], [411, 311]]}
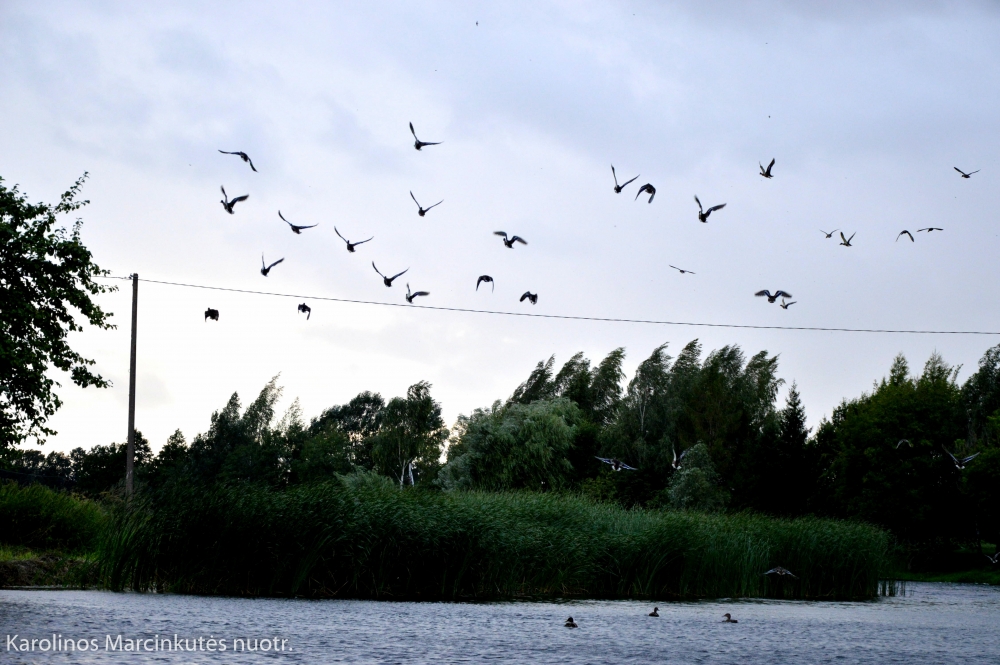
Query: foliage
{"points": [[696, 485], [46, 280], [367, 538], [38, 517]]}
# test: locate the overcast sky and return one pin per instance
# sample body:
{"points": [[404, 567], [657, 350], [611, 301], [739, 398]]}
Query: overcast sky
{"points": [[865, 109]]}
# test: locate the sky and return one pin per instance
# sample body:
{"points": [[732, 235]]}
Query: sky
{"points": [[866, 108]]}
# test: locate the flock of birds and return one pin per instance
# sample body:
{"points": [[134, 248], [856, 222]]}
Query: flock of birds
{"points": [[727, 617], [510, 241]]}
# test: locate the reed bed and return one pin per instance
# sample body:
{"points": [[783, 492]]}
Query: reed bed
{"points": [[375, 541], [38, 517]]}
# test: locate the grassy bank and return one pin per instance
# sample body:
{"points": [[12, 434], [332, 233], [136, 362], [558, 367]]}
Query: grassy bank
{"points": [[371, 540]]}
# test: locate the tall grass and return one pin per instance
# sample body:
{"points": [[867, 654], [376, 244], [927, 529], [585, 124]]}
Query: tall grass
{"points": [[376, 541], [44, 519]]}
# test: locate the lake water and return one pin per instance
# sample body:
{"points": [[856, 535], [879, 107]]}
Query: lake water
{"points": [[932, 623]]}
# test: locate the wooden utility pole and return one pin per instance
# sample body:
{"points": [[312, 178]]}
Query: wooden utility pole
{"points": [[130, 455]]}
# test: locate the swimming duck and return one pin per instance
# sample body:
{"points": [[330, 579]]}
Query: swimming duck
{"points": [[729, 618], [655, 612], [570, 623]]}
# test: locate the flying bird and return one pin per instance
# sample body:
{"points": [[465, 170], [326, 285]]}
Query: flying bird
{"points": [[846, 242], [422, 210], [228, 204], [995, 558], [906, 233], [729, 618], [960, 462], [510, 243], [350, 245], [902, 441], [616, 465], [683, 272], [297, 230], [533, 297], [418, 144], [619, 188], [781, 572], [485, 278], [646, 188], [930, 229], [786, 305], [211, 314], [388, 280], [264, 268], [677, 460], [964, 174], [242, 155], [655, 612], [830, 234], [777, 294], [307, 309], [703, 214], [410, 296], [766, 172]]}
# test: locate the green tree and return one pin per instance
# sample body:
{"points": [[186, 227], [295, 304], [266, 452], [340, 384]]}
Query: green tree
{"points": [[411, 432], [696, 485], [102, 468], [46, 280]]}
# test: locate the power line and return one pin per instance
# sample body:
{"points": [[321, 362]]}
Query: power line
{"points": [[565, 317]]}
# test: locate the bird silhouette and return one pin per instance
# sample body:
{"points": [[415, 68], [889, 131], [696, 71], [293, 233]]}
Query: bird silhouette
{"points": [[830, 234], [570, 623], [964, 174], [307, 309], [646, 188], [777, 294], [388, 280], [350, 245], [264, 268], [211, 314], [906, 233], [418, 144], [510, 243], [703, 214], [619, 188], [995, 558], [533, 297], [655, 612], [616, 464], [846, 242], [781, 572], [229, 203], [960, 462], [297, 230], [410, 296], [729, 618], [683, 272], [678, 459], [485, 278], [929, 229], [242, 155], [786, 305], [902, 441], [420, 209], [766, 172]]}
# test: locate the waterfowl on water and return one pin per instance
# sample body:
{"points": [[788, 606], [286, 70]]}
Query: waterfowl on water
{"points": [[570, 623], [729, 618], [781, 572], [655, 612]]}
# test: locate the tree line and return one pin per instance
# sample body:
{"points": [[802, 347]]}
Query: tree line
{"points": [[880, 457]]}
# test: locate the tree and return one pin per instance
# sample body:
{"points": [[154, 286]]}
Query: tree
{"points": [[46, 278], [696, 485], [102, 468], [412, 432]]}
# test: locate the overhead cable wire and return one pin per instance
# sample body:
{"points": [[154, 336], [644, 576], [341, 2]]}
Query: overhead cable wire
{"points": [[565, 317]]}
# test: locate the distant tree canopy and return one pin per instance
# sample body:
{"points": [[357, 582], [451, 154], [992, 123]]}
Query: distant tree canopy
{"points": [[46, 280], [705, 432]]}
